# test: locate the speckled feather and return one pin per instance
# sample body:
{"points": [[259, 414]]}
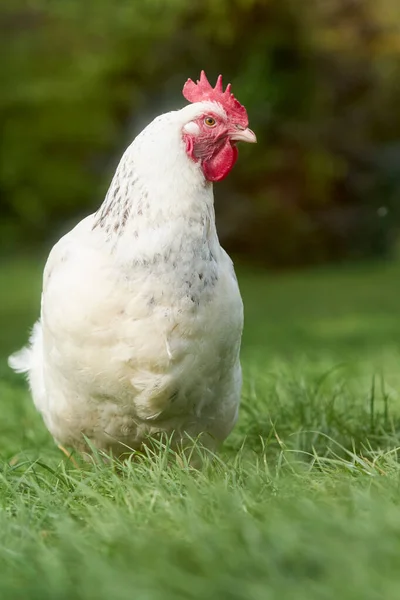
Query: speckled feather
{"points": [[141, 315]]}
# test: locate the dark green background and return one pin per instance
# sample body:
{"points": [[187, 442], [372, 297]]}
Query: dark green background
{"points": [[79, 78]]}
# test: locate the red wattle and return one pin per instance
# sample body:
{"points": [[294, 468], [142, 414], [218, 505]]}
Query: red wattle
{"points": [[220, 164]]}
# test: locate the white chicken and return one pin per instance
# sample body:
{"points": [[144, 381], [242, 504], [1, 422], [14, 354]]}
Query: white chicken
{"points": [[141, 314]]}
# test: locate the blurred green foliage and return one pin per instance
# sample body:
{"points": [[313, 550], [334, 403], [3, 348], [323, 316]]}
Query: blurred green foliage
{"points": [[319, 80]]}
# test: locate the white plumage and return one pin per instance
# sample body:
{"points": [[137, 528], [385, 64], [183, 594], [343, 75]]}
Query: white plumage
{"points": [[141, 314]]}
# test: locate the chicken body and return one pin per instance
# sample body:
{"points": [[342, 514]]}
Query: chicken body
{"points": [[141, 315]]}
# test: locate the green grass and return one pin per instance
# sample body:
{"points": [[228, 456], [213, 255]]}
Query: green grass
{"points": [[302, 502]]}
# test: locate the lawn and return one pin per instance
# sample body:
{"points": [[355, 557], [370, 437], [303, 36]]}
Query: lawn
{"points": [[302, 502]]}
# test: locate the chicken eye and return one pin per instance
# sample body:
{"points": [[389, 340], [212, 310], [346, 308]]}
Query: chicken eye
{"points": [[209, 121]]}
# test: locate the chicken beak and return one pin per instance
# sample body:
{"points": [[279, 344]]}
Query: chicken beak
{"points": [[244, 135]]}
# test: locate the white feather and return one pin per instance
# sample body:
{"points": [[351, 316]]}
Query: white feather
{"points": [[141, 315], [20, 361]]}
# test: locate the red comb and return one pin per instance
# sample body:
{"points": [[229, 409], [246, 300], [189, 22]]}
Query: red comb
{"points": [[202, 90]]}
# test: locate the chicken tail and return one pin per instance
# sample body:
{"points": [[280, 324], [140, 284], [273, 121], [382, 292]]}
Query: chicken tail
{"points": [[21, 361]]}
